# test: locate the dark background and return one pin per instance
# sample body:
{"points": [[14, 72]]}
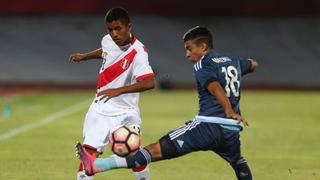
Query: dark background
{"points": [[37, 37]]}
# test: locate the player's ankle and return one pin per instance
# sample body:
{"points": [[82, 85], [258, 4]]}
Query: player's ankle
{"points": [[142, 173]]}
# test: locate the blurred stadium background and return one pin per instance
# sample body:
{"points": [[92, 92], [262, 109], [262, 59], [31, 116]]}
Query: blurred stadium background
{"points": [[37, 37]]}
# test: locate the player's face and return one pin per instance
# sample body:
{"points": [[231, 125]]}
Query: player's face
{"points": [[119, 32], [194, 52]]}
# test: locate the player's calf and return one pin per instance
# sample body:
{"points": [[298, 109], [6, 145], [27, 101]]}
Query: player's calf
{"points": [[242, 169]]}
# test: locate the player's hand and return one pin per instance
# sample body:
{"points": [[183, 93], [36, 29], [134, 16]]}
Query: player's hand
{"points": [[108, 94], [239, 118], [76, 57]]}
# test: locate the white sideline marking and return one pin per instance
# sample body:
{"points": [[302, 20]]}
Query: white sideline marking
{"points": [[49, 119]]}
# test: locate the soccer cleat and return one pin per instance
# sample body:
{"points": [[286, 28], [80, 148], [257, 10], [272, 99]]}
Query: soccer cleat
{"points": [[87, 160]]}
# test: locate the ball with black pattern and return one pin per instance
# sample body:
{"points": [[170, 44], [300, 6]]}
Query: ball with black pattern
{"points": [[124, 141]]}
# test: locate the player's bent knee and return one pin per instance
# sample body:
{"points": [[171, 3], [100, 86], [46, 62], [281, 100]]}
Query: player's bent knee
{"points": [[154, 151], [168, 149]]}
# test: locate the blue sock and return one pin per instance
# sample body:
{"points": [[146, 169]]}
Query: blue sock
{"points": [[105, 164], [142, 157], [242, 170]]}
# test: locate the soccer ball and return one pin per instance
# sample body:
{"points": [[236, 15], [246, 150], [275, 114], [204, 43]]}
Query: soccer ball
{"points": [[124, 141]]}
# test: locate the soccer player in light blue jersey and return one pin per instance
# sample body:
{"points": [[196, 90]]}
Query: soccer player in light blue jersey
{"points": [[218, 123]]}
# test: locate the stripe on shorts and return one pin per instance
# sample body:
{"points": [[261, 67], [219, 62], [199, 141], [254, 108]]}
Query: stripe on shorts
{"points": [[178, 132]]}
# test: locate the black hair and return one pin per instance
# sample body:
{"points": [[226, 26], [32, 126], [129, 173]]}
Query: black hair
{"points": [[199, 34], [118, 13]]}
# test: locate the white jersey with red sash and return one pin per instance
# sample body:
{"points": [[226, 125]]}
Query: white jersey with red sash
{"points": [[121, 66]]}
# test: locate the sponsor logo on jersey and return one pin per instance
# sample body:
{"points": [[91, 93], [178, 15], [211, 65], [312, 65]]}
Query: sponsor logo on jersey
{"points": [[221, 59]]}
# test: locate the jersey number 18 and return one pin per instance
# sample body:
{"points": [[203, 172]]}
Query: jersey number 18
{"points": [[232, 82]]}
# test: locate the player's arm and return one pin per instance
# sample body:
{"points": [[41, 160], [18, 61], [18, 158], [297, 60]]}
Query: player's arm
{"points": [[216, 90], [95, 54], [248, 66], [143, 85]]}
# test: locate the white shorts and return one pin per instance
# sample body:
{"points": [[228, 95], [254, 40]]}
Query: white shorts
{"points": [[97, 127]]}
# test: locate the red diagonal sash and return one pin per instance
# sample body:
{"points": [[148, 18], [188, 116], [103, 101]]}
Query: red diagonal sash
{"points": [[115, 70]]}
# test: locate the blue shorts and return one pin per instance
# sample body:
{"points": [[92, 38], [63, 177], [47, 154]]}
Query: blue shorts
{"points": [[202, 136]]}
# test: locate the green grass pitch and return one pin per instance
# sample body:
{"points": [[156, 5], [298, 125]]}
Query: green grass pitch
{"points": [[282, 142]]}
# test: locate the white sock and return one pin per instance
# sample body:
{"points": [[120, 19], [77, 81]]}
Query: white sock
{"points": [[82, 176], [143, 175]]}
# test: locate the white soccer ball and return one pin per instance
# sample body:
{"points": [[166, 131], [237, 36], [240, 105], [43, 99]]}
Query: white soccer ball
{"points": [[124, 141]]}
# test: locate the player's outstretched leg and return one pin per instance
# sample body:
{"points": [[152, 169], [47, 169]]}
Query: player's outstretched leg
{"points": [[93, 165], [87, 160], [242, 169]]}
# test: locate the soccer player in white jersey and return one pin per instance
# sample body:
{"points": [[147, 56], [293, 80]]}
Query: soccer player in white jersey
{"points": [[125, 72]]}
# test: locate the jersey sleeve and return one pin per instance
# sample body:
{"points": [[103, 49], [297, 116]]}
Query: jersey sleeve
{"points": [[141, 66], [206, 72], [245, 65]]}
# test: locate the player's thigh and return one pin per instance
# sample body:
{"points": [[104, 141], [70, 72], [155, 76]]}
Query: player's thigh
{"points": [[90, 118], [191, 137], [230, 146], [97, 129]]}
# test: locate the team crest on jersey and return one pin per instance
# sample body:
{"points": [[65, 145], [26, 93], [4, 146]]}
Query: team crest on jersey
{"points": [[125, 63]]}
